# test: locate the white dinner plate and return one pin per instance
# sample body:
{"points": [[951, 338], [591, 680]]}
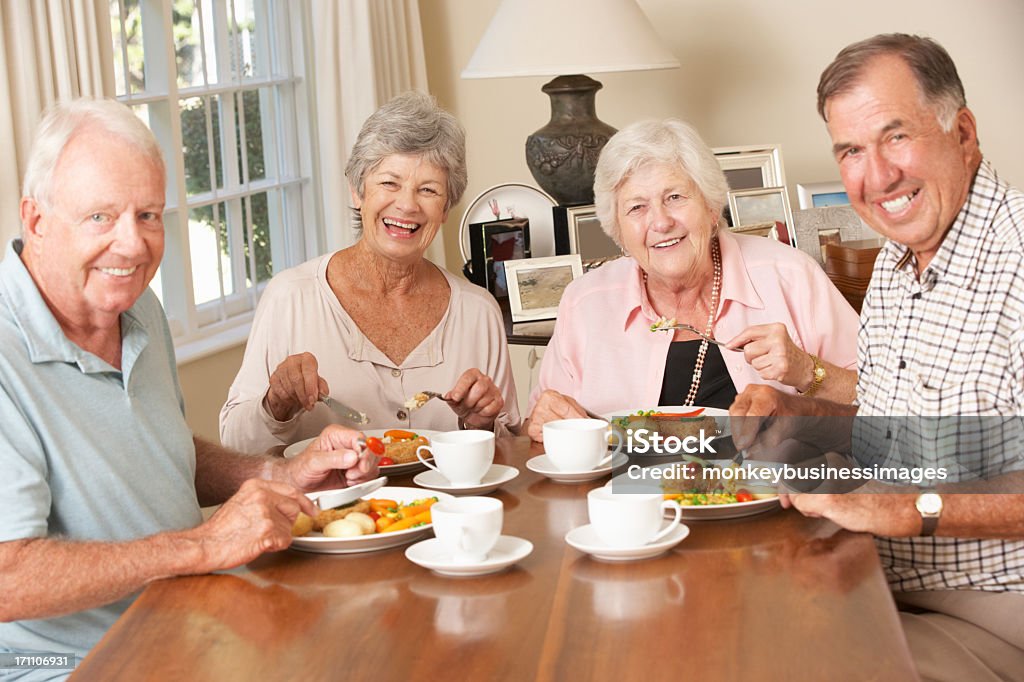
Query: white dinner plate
{"points": [[586, 540], [497, 476], [721, 416], [390, 470], [317, 543], [432, 554], [525, 201], [623, 483], [543, 466]]}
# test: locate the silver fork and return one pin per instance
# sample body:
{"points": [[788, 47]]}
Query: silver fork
{"points": [[415, 402], [694, 330]]}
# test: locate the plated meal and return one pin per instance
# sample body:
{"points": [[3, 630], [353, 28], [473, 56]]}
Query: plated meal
{"points": [[399, 446], [392, 516], [646, 429]]}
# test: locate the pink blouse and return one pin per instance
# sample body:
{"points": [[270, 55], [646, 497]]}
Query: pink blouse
{"points": [[604, 355]]}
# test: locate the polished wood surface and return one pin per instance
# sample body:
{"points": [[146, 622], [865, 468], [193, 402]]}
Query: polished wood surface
{"points": [[849, 265], [771, 597]]}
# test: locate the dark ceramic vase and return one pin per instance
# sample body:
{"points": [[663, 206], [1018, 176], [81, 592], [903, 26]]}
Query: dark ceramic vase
{"points": [[563, 154]]}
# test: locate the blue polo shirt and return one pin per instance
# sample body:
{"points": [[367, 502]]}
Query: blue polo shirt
{"points": [[87, 451]]}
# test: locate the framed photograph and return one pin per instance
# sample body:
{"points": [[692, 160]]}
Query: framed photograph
{"points": [[535, 285], [751, 167], [506, 201], [821, 194], [492, 243], [754, 209], [577, 230]]}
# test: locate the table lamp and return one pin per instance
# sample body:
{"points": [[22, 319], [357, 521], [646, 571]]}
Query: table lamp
{"points": [[555, 37]]}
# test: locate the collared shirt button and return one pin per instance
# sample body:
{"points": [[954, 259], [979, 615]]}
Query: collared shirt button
{"points": [[402, 414], [396, 372], [903, 364]]}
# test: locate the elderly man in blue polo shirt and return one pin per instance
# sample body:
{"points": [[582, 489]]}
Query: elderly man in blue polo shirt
{"points": [[102, 479]]}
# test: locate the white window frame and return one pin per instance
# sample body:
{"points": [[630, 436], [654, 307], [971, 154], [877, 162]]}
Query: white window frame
{"points": [[286, 107]]}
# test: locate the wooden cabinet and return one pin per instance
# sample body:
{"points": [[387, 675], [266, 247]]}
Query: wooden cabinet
{"points": [[849, 265]]}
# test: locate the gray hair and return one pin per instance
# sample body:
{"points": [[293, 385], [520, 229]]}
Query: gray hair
{"points": [[411, 123], [60, 123], [931, 65], [670, 141]]}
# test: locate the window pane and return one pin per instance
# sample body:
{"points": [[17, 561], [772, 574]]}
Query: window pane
{"points": [[208, 249], [244, 47], [196, 143], [127, 44], [188, 57], [252, 133], [257, 246]]}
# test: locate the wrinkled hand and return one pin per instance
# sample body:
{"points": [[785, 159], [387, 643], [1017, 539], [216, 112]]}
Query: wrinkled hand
{"points": [[334, 459], [475, 399], [891, 514], [751, 416], [769, 350], [256, 519], [551, 406], [294, 385]]}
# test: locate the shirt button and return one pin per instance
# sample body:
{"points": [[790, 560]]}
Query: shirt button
{"points": [[903, 364], [917, 296], [402, 414], [396, 372]]}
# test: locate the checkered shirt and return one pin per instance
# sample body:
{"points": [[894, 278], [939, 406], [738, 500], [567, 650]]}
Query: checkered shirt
{"points": [[951, 343]]}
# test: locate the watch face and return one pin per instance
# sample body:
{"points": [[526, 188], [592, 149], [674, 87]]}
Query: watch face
{"points": [[929, 503]]}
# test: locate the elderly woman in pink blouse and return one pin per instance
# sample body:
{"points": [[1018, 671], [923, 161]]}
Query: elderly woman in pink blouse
{"points": [[659, 194], [375, 323]]}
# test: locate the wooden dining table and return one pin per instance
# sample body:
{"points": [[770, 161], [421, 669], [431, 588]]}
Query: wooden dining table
{"points": [[775, 596]]}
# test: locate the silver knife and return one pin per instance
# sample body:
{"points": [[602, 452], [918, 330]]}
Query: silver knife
{"points": [[344, 411], [339, 498]]}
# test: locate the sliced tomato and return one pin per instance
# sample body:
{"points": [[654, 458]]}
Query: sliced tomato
{"points": [[385, 461], [681, 415], [399, 434], [375, 445], [744, 496]]}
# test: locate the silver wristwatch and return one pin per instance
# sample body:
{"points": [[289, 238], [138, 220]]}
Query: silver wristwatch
{"points": [[929, 506]]}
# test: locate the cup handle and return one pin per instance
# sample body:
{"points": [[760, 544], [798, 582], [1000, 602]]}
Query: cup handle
{"points": [[425, 462], [669, 504], [611, 433]]}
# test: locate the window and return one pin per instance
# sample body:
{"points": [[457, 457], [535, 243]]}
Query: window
{"points": [[222, 85]]}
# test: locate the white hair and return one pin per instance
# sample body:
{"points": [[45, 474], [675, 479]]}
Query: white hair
{"points": [[60, 123]]}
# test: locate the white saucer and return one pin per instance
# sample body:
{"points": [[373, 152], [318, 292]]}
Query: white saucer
{"points": [[497, 476], [432, 554], [585, 539], [542, 465]]}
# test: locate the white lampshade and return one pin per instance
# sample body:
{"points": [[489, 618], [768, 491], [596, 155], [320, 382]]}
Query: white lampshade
{"points": [[554, 37]]}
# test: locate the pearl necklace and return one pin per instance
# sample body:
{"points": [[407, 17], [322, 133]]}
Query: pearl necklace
{"points": [[698, 368]]}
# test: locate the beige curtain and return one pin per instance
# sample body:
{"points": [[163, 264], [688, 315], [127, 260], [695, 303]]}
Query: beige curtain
{"points": [[365, 53], [49, 50]]}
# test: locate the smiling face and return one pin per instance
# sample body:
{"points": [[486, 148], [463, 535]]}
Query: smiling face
{"points": [[666, 224], [95, 250], [403, 206], [904, 175]]}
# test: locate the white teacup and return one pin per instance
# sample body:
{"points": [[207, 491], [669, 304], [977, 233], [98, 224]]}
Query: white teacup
{"points": [[629, 519], [463, 457], [579, 444], [468, 527]]}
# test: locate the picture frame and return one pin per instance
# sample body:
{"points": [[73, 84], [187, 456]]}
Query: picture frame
{"points": [[821, 194], [535, 285], [751, 166], [492, 243], [577, 230], [763, 211]]}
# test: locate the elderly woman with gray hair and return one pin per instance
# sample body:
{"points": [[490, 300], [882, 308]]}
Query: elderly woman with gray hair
{"points": [[375, 323], [659, 193]]}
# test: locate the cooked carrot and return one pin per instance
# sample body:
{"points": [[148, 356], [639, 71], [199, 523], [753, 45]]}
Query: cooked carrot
{"points": [[413, 510], [383, 522], [399, 434], [408, 522], [380, 506]]}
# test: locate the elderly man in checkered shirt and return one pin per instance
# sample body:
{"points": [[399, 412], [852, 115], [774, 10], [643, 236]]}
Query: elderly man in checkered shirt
{"points": [[942, 334]]}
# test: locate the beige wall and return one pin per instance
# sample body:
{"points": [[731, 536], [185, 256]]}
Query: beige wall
{"points": [[205, 383], [750, 68]]}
